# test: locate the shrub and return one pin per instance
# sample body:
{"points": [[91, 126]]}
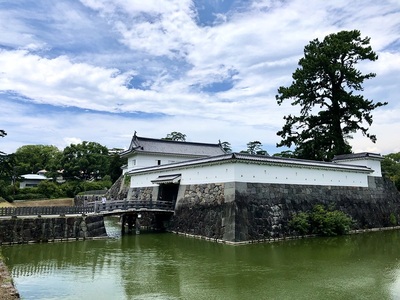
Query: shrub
{"points": [[50, 189], [71, 188], [300, 223], [393, 219], [27, 190], [329, 222], [321, 222], [9, 198], [127, 180], [7, 190], [94, 185]]}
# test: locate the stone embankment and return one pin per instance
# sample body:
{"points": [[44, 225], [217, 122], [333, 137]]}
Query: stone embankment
{"points": [[47, 228], [7, 288]]}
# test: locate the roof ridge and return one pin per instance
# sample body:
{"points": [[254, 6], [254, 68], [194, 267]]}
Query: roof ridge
{"points": [[138, 138]]}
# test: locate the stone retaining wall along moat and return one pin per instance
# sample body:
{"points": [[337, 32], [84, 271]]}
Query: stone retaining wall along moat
{"points": [[47, 229], [238, 212]]}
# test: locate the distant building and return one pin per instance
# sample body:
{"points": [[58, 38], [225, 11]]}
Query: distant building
{"points": [[31, 180]]}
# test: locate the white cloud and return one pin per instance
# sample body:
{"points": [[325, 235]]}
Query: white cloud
{"points": [[255, 47], [70, 140]]}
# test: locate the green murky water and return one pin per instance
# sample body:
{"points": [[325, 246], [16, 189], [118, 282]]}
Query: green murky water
{"points": [[168, 266]]}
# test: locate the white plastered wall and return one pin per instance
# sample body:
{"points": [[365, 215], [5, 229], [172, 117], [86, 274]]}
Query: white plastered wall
{"points": [[374, 164], [256, 173]]}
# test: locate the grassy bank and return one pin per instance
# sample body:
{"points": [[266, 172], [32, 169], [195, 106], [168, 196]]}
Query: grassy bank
{"points": [[49, 202]]}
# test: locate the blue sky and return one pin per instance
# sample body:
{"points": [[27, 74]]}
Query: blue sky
{"points": [[98, 70]]}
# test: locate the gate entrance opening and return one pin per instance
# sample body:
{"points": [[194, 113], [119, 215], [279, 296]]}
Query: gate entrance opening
{"points": [[168, 187]]}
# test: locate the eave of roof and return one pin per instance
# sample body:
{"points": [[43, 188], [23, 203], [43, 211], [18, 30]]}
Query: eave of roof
{"points": [[256, 159], [174, 178]]}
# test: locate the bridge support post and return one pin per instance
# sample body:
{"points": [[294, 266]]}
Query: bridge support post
{"points": [[137, 225], [123, 224], [130, 221]]}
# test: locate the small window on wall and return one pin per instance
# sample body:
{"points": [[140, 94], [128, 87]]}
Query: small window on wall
{"points": [[158, 162], [132, 163]]}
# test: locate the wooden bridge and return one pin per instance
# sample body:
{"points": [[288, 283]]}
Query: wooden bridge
{"points": [[110, 207]]}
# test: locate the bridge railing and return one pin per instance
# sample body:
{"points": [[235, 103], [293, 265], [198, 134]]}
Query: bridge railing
{"points": [[112, 205], [91, 207], [44, 210]]}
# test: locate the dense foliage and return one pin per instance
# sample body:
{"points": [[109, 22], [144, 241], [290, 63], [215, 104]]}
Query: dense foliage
{"points": [[326, 87], [7, 163], [88, 160], [81, 167], [29, 159], [391, 168], [321, 221], [50, 189], [116, 163]]}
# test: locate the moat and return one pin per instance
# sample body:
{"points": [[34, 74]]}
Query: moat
{"points": [[169, 266]]}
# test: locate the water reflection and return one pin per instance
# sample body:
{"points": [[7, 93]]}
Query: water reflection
{"points": [[167, 266]]}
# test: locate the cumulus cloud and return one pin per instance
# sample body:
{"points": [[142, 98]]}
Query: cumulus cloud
{"points": [[166, 60]]}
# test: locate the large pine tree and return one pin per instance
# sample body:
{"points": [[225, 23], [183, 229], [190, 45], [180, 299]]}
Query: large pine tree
{"points": [[326, 87]]}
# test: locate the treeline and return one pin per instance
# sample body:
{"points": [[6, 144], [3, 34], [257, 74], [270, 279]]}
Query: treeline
{"points": [[78, 168]]}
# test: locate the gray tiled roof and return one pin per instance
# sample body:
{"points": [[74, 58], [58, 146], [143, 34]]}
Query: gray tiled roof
{"points": [[159, 146], [357, 155]]}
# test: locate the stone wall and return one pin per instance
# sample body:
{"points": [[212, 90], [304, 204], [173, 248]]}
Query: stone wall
{"points": [[257, 211], [119, 190], [80, 200], [265, 209], [200, 211], [44, 229], [206, 193], [143, 193]]}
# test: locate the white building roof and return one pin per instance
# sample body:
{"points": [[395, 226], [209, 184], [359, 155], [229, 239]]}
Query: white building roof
{"points": [[34, 177]]}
